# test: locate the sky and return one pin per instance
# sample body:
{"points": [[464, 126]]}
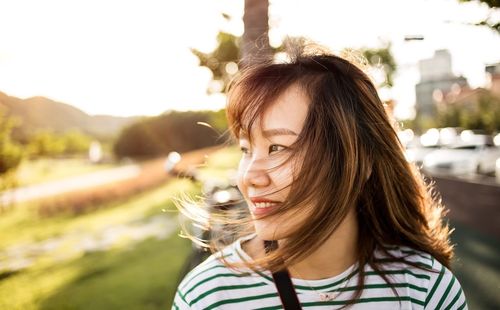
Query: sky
{"points": [[123, 57]]}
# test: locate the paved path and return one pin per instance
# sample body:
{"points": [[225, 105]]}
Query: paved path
{"points": [[76, 243], [65, 185]]}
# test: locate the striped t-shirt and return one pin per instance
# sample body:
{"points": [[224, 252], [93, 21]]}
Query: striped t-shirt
{"points": [[212, 285]]}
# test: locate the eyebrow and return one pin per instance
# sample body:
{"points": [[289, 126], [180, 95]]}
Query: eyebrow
{"points": [[272, 132]]}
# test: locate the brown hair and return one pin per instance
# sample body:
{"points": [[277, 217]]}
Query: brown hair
{"points": [[362, 162]]}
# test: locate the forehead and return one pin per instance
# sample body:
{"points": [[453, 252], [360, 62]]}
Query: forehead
{"points": [[289, 111]]}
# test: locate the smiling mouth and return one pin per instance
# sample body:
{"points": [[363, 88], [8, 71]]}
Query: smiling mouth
{"points": [[263, 206]]}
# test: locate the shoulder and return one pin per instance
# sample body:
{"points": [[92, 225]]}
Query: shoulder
{"points": [[444, 291], [203, 276], [438, 287], [205, 284]]}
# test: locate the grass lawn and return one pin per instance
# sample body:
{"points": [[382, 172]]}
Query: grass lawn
{"points": [[144, 277], [49, 169], [130, 275], [141, 276]]}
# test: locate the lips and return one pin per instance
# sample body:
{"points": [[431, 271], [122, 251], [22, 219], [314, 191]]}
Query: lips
{"points": [[261, 206]]}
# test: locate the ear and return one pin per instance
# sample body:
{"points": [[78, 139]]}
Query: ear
{"points": [[368, 172]]}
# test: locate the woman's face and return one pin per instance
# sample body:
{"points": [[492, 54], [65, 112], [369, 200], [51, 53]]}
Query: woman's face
{"points": [[264, 175]]}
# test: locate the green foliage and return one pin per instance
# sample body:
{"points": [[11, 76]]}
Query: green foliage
{"points": [[490, 3], [175, 131], [227, 51], [482, 114], [76, 142], [218, 120], [382, 58], [489, 22], [47, 143], [11, 153]]}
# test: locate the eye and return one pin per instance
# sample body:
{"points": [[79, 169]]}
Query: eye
{"points": [[276, 148], [244, 150]]}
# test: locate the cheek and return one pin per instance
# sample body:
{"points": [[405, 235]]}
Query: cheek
{"points": [[240, 176], [282, 178]]}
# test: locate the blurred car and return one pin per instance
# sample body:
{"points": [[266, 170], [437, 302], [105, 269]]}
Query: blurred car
{"points": [[433, 139], [173, 158], [474, 155], [417, 154]]}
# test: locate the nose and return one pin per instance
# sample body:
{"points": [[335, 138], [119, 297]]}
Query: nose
{"points": [[256, 175]]}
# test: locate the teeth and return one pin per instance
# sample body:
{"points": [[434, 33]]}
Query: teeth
{"points": [[263, 205]]}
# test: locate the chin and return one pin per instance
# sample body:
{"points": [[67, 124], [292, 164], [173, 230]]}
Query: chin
{"points": [[269, 230]]}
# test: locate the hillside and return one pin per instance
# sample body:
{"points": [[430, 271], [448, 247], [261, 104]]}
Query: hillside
{"points": [[42, 113]]}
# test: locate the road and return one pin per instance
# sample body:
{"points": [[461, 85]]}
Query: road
{"points": [[37, 191]]}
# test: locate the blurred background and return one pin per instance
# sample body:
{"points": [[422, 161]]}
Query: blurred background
{"points": [[109, 110]]}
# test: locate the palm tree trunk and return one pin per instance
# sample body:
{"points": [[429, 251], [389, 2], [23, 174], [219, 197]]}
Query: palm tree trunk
{"points": [[255, 42]]}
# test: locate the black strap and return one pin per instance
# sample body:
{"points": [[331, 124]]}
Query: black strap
{"points": [[283, 283]]}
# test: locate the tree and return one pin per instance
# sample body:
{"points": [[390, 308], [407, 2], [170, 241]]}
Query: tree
{"points": [[382, 59], [255, 41], [481, 112], [75, 142], [45, 143], [253, 47], [489, 22], [222, 61], [11, 153], [233, 52], [175, 131]]}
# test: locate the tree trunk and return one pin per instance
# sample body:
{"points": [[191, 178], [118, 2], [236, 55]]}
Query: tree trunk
{"points": [[255, 42]]}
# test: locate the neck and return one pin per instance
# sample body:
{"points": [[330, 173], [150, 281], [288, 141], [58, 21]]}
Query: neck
{"points": [[332, 257]]}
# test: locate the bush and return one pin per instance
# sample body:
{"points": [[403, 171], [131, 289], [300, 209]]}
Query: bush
{"points": [[175, 131]]}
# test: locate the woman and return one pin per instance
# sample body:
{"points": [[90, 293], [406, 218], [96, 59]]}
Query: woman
{"points": [[339, 218]]}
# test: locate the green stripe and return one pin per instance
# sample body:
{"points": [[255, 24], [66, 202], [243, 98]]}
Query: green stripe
{"points": [[226, 287], [401, 271], [372, 286], [368, 273], [279, 307], [426, 257], [423, 255], [233, 275], [327, 286], [312, 304], [363, 300], [433, 290], [182, 297], [351, 288], [175, 306], [391, 260], [204, 270], [454, 300], [200, 273], [462, 306], [446, 292], [238, 300], [321, 303]]}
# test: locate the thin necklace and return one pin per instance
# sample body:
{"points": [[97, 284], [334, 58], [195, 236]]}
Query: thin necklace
{"points": [[323, 296]]}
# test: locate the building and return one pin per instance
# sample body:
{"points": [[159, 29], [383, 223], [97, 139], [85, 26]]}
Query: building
{"points": [[493, 71], [477, 108], [436, 77]]}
